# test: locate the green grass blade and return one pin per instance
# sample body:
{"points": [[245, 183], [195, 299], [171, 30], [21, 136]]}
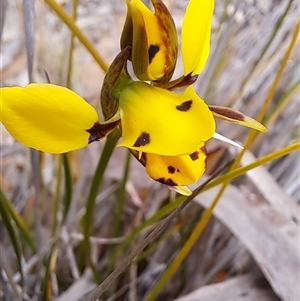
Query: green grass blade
{"points": [[261, 161], [7, 221], [46, 276], [71, 46], [20, 223]]}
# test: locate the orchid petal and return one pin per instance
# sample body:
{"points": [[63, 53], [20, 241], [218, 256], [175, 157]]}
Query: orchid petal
{"points": [[153, 39], [195, 34], [158, 121], [47, 117], [177, 170], [237, 117]]}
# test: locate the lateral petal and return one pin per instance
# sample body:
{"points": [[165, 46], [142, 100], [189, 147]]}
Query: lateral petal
{"points": [[237, 117], [47, 117]]}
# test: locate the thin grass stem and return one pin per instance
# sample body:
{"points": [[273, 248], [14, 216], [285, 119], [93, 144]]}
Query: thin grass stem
{"points": [[66, 19]]}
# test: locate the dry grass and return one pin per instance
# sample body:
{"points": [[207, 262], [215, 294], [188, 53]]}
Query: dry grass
{"points": [[250, 248]]}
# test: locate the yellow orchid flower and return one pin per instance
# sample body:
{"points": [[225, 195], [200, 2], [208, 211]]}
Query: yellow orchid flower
{"points": [[150, 114], [153, 39], [166, 131]]}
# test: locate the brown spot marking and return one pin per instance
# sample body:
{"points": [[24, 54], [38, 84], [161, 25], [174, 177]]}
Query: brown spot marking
{"points": [[142, 140], [204, 150], [185, 81], [229, 113], [185, 106], [98, 130], [190, 79], [171, 169], [153, 49], [169, 181], [194, 156], [178, 170]]}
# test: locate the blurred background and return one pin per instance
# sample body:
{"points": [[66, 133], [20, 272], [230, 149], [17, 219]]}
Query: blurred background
{"points": [[250, 248]]}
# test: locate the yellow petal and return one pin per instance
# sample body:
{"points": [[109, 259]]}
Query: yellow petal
{"points": [[157, 121], [176, 171], [195, 33], [237, 117], [153, 39], [169, 43], [46, 117]]}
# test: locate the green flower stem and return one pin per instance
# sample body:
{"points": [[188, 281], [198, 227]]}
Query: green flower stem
{"points": [[68, 20], [119, 211], [207, 214], [121, 196], [68, 186], [109, 146], [56, 197]]}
